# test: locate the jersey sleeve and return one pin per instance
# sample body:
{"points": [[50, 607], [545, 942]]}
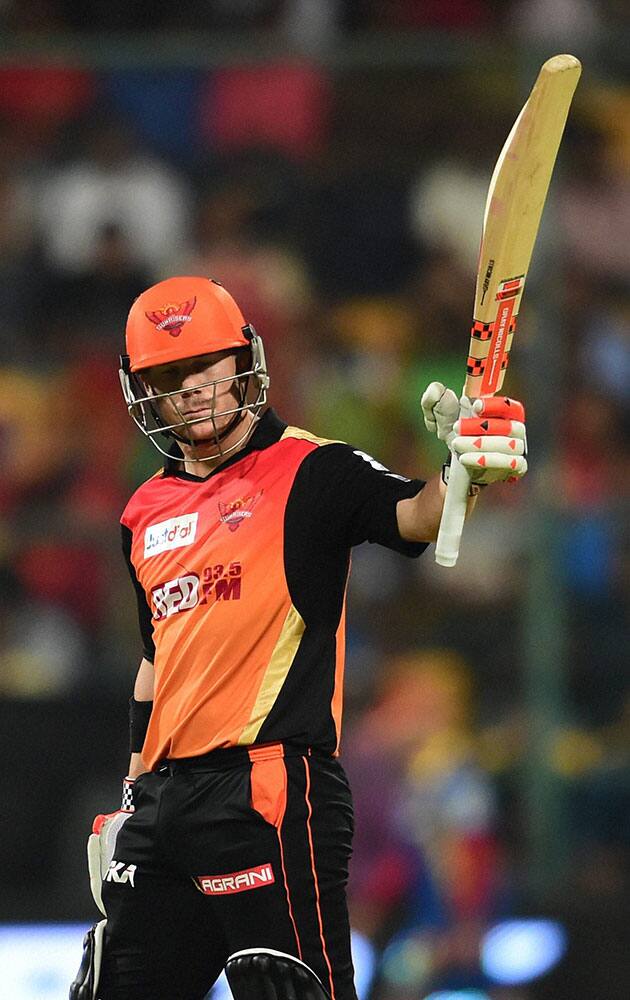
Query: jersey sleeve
{"points": [[145, 619], [352, 498]]}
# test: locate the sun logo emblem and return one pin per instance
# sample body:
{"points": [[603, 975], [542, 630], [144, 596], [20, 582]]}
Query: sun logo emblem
{"points": [[233, 514], [172, 316]]}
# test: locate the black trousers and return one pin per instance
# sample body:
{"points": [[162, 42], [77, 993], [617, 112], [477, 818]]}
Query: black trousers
{"points": [[235, 850]]}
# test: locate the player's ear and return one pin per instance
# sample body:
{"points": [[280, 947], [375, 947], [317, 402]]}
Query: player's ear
{"points": [[243, 360], [146, 385]]}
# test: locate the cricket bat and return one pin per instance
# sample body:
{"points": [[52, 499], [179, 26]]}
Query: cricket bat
{"points": [[513, 210]]}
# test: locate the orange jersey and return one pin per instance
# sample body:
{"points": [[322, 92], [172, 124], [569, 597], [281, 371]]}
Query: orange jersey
{"points": [[241, 579]]}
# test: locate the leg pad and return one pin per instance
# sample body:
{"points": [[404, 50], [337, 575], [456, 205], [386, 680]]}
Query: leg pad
{"points": [[263, 974], [85, 985]]}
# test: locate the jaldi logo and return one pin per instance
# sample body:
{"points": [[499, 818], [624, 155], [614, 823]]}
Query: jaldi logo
{"points": [[234, 513], [172, 317]]}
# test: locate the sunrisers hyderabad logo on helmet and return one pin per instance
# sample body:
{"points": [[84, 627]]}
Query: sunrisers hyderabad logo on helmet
{"points": [[172, 317]]}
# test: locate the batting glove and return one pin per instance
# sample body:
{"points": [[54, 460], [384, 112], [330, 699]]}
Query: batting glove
{"points": [[102, 841], [440, 409], [491, 443]]}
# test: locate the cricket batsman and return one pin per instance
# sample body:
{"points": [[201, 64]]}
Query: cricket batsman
{"points": [[232, 844]]}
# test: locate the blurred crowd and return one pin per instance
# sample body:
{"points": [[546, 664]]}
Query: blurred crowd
{"points": [[342, 210], [322, 21]]}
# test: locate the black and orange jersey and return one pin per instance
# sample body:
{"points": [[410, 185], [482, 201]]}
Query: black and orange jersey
{"points": [[241, 579]]}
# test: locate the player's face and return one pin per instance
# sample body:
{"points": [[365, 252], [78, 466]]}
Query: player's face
{"points": [[199, 387]]}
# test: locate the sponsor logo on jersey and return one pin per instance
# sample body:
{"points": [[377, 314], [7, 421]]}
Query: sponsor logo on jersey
{"points": [[225, 885], [172, 317], [234, 513], [171, 534], [118, 871], [221, 582], [217, 583], [180, 594], [379, 466]]}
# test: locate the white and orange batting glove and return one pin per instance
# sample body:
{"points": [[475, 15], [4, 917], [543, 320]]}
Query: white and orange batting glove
{"points": [[490, 443], [102, 841]]}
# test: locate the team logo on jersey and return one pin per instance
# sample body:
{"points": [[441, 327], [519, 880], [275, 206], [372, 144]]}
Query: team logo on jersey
{"points": [[250, 878], [171, 534], [233, 514], [172, 317]]}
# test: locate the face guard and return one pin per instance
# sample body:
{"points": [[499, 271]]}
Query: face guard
{"points": [[143, 403]]}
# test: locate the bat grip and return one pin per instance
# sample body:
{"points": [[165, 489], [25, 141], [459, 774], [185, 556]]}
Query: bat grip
{"points": [[454, 510]]}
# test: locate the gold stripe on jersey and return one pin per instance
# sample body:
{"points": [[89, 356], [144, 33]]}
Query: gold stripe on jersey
{"points": [[275, 675], [301, 435]]}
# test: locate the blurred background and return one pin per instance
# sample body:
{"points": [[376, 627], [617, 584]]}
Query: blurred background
{"points": [[327, 160]]}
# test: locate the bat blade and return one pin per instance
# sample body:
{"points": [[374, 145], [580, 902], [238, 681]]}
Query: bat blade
{"points": [[514, 206]]}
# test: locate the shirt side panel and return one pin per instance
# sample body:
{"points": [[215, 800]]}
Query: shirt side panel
{"points": [[338, 499], [144, 611]]}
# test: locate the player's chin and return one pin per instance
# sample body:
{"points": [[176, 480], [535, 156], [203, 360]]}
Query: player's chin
{"points": [[205, 434]]}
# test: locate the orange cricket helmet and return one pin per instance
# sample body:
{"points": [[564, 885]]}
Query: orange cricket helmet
{"points": [[182, 318]]}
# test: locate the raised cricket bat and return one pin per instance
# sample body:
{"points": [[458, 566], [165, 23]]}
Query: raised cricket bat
{"points": [[514, 207]]}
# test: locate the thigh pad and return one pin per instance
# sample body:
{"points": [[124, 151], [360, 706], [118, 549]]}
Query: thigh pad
{"points": [[264, 974]]}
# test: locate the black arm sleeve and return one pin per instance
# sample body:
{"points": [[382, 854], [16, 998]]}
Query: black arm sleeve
{"points": [[144, 611], [352, 498]]}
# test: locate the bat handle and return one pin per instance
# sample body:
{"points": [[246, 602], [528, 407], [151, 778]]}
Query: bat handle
{"points": [[454, 510]]}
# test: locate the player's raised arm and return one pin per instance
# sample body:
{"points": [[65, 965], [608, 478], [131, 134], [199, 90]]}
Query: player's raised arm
{"points": [[419, 517]]}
